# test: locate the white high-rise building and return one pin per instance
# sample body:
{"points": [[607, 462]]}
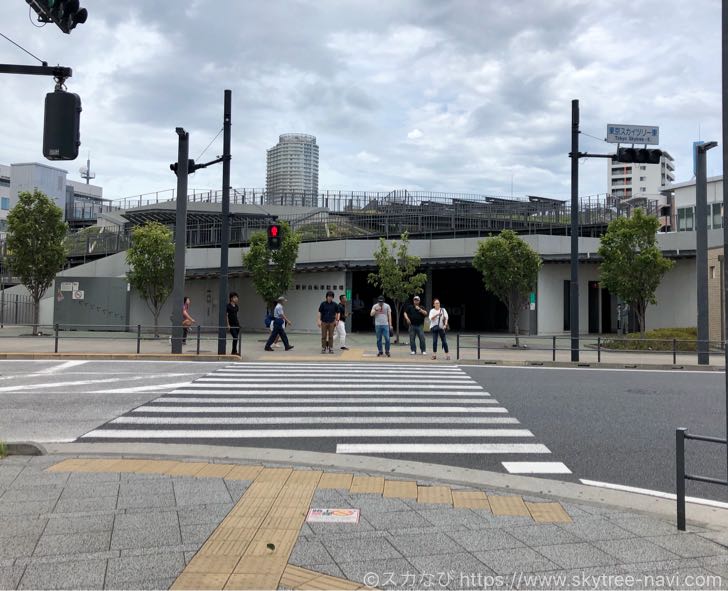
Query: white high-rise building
{"points": [[634, 181], [292, 172]]}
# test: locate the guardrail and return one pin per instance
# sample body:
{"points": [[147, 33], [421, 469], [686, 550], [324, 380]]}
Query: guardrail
{"points": [[601, 345]]}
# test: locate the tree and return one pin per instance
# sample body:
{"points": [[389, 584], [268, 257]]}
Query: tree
{"points": [[151, 266], [272, 270], [35, 248], [510, 271], [632, 264], [396, 274]]}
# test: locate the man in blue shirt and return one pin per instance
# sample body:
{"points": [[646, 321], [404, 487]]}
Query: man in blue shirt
{"points": [[328, 318], [279, 322]]}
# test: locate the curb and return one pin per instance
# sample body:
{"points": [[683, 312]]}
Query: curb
{"points": [[713, 518], [25, 448], [121, 356]]}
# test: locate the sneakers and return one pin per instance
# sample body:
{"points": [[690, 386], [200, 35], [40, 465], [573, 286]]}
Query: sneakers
{"points": [[424, 352], [344, 348], [268, 349], [413, 353], [331, 350], [434, 356], [323, 349], [380, 354], [289, 348], [387, 354], [277, 345]]}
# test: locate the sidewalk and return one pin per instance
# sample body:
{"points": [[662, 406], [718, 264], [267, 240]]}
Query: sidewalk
{"points": [[14, 343], [214, 518]]}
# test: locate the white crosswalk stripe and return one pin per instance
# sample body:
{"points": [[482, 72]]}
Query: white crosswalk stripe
{"points": [[355, 408]]}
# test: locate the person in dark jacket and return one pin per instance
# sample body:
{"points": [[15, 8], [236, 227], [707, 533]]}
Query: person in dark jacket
{"points": [[328, 317], [233, 324]]}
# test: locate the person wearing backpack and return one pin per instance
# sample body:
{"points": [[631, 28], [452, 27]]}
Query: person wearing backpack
{"points": [[279, 322]]}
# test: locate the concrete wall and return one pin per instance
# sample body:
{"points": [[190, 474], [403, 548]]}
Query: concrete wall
{"points": [[676, 298], [550, 296], [47, 179]]}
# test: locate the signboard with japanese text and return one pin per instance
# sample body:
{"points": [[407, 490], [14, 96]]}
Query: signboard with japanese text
{"points": [[633, 134]]}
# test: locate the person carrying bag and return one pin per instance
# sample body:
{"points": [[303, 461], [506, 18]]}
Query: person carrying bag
{"points": [[438, 325]]}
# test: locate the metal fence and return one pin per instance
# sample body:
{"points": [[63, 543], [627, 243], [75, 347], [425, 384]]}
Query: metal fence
{"points": [[15, 309]]}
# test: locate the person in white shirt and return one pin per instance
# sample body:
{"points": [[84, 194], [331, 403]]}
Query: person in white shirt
{"points": [[438, 326]]}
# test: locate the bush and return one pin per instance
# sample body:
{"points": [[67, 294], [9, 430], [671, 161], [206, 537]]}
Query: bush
{"points": [[660, 339], [3, 449]]}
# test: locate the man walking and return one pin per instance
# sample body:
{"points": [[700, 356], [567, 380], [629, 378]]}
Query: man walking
{"points": [[233, 324], [328, 317], [279, 322], [382, 314], [340, 330], [415, 315]]}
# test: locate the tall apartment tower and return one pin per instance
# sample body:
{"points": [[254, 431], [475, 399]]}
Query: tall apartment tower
{"points": [[643, 181], [292, 172]]}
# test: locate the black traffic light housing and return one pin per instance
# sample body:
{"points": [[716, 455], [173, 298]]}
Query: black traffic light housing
{"points": [[61, 125], [191, 168], [638, 155], [64, 13], [275, 236]]}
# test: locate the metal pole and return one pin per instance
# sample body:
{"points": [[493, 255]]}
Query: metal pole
{"points": [[701, 253], [680, 476], [139, 338], [478, 347], [599, 349], [225, 230], [553, 348], [55, 331], [180, 236], [199, 332], [457, 345], [574, 293], [674, 351], [725, 190]]}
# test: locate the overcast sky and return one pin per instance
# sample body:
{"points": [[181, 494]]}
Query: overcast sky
{"points": [[458, 96]]}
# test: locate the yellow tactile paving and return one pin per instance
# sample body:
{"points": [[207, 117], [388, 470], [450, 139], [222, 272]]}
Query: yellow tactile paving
{"points": [[250, 565], [303, 478], [335, 480], [215, 471], [272, 541], [548, 513], [294, 576], [508, 505], [470, 499], [157, 466], [244, 473], [253, 581], [218, 548], [298, 578], [326, 583], [212, 564], [367, 484], [199, 581], [129, 465], [186, 469], [434, 495], [274, 474], [400, 489], [233, 534], [248, 521], [71, 465]]}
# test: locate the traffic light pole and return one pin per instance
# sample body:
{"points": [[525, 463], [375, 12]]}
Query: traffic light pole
{"points": [[180, 241], [574, 292], [225, 230]]}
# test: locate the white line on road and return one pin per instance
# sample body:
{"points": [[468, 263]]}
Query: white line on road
{"points": [[318, 409], [59, 384], [61, 367], [302, 433], [718, 372], [278, 385], [313, 420], [327, 392], [338, 377], [336, 365], [141, 389], [442, 448], [653, 493], [536, 467], [313, 401]]}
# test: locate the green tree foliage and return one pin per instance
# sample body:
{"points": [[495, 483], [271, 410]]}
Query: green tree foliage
{"points": [[510, 271], [151, 266], [35, 248], [272, 270], [396, 274], [632, 264]]}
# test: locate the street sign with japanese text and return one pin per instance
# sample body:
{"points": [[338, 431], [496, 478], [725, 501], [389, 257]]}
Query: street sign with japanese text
{"points": [[633, 134]]}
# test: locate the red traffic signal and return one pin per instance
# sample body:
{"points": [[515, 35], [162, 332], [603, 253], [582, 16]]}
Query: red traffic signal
{"points": [[274, 236]]}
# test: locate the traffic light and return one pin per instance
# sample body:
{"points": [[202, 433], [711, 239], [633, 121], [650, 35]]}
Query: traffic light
{"points": [[190, 167], [275, 234], [638, 155], [65, 13], [61, 125]]}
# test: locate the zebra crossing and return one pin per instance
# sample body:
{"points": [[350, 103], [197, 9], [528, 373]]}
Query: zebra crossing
{"points": [[392, 410]]}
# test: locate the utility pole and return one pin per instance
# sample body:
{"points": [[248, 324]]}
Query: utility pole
{"points": [[180, 239], [574, 292], [701, 248], [225, 230], [724, 43]]}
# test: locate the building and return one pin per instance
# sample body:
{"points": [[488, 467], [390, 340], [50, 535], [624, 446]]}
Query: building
{"points": [[634, 183], [292, 170], [683, 196]]}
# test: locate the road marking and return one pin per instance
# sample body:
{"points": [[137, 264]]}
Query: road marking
{"points": [[442, 448], [304, 433], [61, 367], [318, 409], [143, 388], [717, 372], [536, 467], [330, 371], [414, 396], [312, 420], [253, 377], [207, 382], [653, 493], [382, 366], [59, 384], [312, 401]]}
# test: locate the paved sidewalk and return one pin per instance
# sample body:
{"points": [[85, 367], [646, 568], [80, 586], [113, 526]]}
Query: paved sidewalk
{"points": [[184, 522], [362, 346]]}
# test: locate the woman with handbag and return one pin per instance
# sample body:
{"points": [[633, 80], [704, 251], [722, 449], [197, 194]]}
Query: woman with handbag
{"points": [[438, 326]]}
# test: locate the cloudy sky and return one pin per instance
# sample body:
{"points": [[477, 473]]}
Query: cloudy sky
{"points": [[443, 95]]}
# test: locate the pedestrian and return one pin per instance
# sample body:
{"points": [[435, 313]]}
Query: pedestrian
{"points": [[187, 320], [328, 318], [340, 330], [438, 326], [233, 324], [414, 315], [382, 314], [279, 323]]}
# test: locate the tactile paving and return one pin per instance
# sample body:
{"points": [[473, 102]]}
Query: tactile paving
{"points": [[367, 484], [508, 505], [470, 499], [548, 513], [435, 495], [400, 489]]}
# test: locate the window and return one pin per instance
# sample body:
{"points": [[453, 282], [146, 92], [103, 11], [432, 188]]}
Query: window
{"points": [[643, 167], [5, 205], [685, 219], [717, 216], [643, 189], [643, 178], [712, 272]]}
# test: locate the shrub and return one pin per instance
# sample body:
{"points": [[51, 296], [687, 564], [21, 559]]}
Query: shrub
{"points": [[660, 339]]}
